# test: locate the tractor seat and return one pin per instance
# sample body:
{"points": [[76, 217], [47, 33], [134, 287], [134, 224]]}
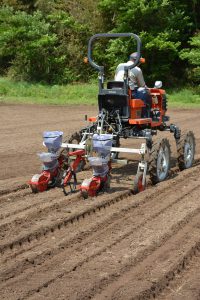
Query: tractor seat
{"points": [[115, 85]]}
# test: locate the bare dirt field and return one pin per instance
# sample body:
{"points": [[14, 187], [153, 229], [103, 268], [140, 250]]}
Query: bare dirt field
{"points": [[115, 246]]}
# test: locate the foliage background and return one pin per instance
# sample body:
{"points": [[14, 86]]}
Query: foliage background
{"points": [[45, 41]]}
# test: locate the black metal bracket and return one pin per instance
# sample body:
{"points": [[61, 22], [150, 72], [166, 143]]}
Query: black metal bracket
{"points": [[176, 130]]}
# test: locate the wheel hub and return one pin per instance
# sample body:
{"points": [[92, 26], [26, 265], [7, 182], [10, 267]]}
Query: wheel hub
{"points": [[162, 163], [188, 153]]}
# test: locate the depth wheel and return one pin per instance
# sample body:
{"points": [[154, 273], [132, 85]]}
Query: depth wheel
{"points": [[138, 185], [159, 161], [186, 150], [107, 183], [84, 194], [34, 188]]}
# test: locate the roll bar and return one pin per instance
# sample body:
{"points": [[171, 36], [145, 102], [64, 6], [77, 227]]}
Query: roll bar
{"points": [[113, 35]]}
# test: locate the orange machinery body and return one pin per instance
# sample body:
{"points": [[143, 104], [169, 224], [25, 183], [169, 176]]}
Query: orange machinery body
{"points": [[136, 106]]}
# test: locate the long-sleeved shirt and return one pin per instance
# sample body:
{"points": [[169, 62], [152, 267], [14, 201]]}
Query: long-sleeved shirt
{"points": [[135, 75]]}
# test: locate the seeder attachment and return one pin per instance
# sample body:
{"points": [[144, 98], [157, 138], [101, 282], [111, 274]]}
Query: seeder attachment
{"points": [[51, 163], [101, 165]]}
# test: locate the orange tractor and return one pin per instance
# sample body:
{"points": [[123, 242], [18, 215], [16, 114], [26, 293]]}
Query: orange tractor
{"points": [[120, 117]]}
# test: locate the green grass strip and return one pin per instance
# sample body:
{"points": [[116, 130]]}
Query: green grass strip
{"points": [[23, 92], [184, 98], [76, 94]]}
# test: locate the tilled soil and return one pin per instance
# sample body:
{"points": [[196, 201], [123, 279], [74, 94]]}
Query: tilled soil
{"points": [[115, 246]]}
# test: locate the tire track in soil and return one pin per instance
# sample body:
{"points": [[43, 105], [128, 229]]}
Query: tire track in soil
{"points": [[186, 286], [87, 274], [159, 270], [41, 208], [184, 220], [14, 189], [36, 245], [9, 209], [30, 206], [19, 206], [22, 198], [43, 231], [120, 213], [38, 207]]}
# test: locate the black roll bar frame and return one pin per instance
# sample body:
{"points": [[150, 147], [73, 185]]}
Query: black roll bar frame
{"points": [[113, 35]]}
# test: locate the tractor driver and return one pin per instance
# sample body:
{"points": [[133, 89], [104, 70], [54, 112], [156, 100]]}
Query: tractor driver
{"points": [[136, 83]]}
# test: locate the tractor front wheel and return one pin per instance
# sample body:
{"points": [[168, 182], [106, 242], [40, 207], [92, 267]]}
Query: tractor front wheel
{"points": [[159, 161], [185, 150]]}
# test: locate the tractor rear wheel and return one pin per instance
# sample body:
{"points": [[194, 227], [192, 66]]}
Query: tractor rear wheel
{"points": [[74, 139], [159, 161], [186, 150]]}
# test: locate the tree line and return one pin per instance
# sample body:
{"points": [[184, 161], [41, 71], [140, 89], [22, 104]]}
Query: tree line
{"points": [[46, 40]]}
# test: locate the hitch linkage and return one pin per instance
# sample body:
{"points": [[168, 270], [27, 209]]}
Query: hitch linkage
{"points": [[176, 130]]}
